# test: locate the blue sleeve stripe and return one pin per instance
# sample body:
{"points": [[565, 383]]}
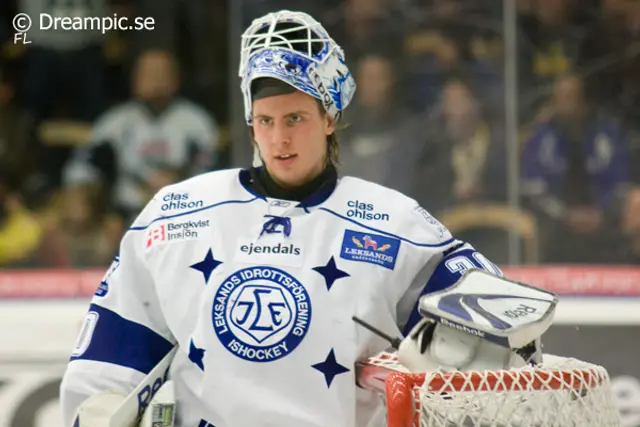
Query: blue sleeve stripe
{"points": [[125, 343]]}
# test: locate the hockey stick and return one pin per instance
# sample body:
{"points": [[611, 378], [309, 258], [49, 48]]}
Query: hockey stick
{"points": [[395, 342], [129, 413], [373, 376]]}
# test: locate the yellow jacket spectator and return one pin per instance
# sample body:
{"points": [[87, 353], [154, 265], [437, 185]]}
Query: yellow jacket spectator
{"points": [[20, 232], [20, 235]]}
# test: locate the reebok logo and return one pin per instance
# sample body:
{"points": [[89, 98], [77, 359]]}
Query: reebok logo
{"points": [[462, 328]]}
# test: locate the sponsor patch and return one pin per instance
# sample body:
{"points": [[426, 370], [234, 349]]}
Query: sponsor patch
{"points": [[179, 202], [371, 248], [175, 231], [261, 314], [361, 210], [280, 253]]}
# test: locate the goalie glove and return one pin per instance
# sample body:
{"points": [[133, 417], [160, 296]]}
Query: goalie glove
{"points": [[483, 322]]}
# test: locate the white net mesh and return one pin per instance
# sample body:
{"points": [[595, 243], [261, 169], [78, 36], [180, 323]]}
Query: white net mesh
{"points": [[560, 393]]}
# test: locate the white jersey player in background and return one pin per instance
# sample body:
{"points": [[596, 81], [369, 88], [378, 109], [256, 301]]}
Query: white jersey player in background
{"points": [[255, 274]]}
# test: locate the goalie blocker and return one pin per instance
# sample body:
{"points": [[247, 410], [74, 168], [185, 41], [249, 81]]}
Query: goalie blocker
{"points": [[482, 322]]}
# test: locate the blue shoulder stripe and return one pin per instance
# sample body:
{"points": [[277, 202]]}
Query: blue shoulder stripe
{"points": [[125, 343]]}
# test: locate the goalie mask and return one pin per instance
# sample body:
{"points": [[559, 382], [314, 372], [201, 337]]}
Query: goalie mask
{"points": [[294, 48]]}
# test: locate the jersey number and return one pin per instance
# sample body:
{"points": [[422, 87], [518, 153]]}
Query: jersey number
{"points": [[462, 263]]}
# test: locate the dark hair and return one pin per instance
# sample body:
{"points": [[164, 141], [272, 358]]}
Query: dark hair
{"points": [[333, 145]]}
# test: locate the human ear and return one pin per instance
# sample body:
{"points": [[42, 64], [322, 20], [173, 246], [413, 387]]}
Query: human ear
{"points": [[330, 125]]}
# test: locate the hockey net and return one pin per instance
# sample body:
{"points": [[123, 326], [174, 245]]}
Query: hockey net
{"points": [[562, 392]]}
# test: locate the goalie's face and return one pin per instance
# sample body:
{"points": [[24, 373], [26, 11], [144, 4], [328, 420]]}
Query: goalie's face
{"points": [[291, 133]]}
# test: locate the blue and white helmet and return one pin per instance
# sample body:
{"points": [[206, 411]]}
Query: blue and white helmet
{"points": [[295, 48]]}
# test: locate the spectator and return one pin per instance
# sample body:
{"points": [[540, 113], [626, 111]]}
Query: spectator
{"points": [[63, 78], [451, 37], [80, 233], [367, 144], [194, 32], [148, 142], [548, 48], [463, 153], [62, 66], [15, 128], [610, 60], [20, 232], [365, 25], [575, 170], [458, 154], [432, 58]]}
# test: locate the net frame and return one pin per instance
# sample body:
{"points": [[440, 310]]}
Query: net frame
{"points": [[404, 392]]}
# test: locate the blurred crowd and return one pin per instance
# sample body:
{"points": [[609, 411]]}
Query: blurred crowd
{"points": [[92, 124]]}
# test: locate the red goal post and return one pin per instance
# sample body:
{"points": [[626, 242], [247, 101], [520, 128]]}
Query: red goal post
{"points": [[560, 392]]}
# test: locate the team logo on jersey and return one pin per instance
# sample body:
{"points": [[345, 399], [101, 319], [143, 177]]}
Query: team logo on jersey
{"points": [[261, 314], [103, 287], [371, 248]]}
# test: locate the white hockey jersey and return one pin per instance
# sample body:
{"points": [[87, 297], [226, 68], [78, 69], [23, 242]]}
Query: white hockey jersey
{"points": [[259, 295]]}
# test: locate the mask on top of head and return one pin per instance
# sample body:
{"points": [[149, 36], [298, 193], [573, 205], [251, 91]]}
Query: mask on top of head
{"points": [[294, 48]]}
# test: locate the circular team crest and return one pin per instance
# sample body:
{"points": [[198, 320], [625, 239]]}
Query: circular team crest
{"points": [[261, 314]]}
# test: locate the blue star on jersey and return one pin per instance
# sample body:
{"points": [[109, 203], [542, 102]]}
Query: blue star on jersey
{"points": [[206, 266], [196, 355], [330, 272], [330, 368]]}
